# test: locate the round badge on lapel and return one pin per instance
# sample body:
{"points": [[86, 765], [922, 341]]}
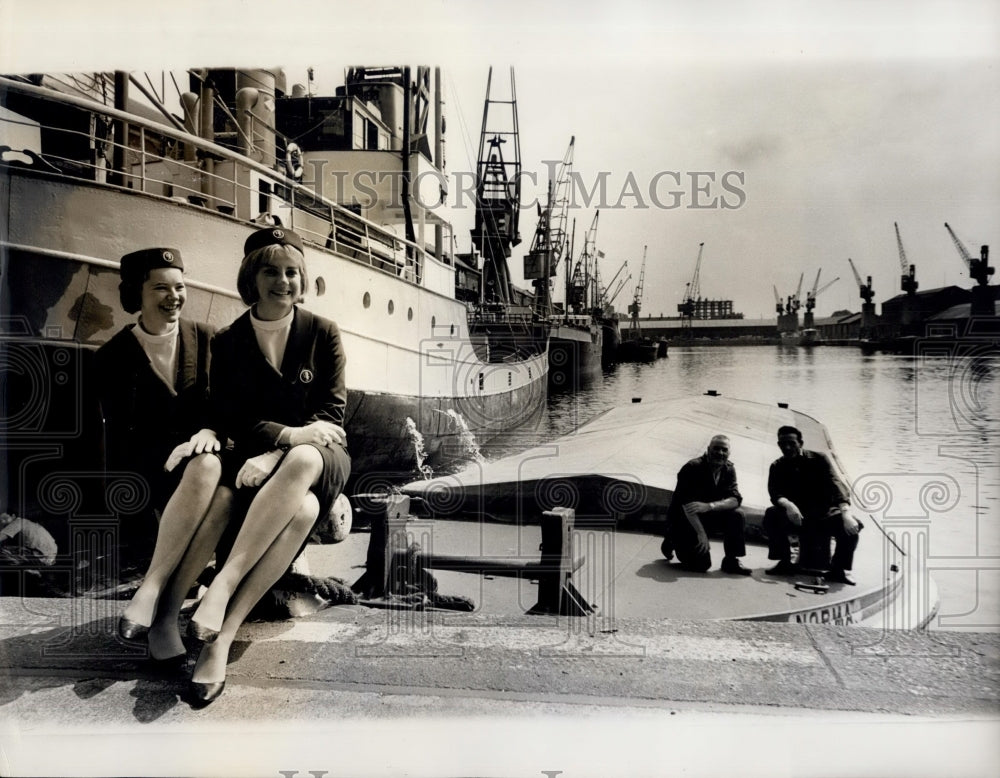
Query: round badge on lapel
{"points": [[306, 376]]}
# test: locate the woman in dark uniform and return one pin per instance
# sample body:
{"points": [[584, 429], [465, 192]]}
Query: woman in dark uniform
{"points": [[279, 390], [153, 384]]}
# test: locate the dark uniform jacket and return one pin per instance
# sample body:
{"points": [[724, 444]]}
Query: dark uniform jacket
{"points": [[145, 419], [253, 402], [695, 483], [809, 481]]}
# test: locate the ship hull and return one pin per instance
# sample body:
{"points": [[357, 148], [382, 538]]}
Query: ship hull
{"points": [[643, 350], [575, 356], [411, 354]]}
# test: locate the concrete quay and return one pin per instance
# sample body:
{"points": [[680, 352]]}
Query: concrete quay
{"points": [[357, 691]]}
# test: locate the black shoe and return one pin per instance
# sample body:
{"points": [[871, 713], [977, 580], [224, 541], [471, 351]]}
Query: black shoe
{"points": [[203, 634], [667, 550], [131, 630], [840, 576], [784, 567], [733, 565], [203, 694]]}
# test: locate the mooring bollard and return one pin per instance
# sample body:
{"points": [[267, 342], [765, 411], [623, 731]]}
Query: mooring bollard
{"points": [[388, 536], [556, 593]]}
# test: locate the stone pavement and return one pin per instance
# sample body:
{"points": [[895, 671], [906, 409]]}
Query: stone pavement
{"points": [[352, 691]]}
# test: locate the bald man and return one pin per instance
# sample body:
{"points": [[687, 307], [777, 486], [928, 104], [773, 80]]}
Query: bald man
{"points": [[707, 498]]}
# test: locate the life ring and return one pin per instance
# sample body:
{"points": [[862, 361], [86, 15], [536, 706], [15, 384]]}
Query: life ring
{"points": [[293, 161]]}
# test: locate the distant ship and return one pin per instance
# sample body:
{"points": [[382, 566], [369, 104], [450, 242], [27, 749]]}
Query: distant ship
{"points": [[94, 166]]}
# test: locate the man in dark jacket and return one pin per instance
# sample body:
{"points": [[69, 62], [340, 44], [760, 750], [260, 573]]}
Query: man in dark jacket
{"points": [[707, 497], [811, 500]]}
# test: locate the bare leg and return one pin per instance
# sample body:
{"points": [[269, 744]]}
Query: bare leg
{"points": [[271, 511], [212, 660], [180, 520], [164, 634]]}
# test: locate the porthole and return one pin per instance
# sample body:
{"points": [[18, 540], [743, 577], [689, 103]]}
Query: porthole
{"points": [[320, 286], [392, 307], [367, 300], [510, 379], [409, 314]]}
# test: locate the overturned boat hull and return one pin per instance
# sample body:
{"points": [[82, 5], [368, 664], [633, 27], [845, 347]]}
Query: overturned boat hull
{"points": [[618, 473]]}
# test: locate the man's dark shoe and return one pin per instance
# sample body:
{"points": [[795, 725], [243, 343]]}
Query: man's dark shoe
{"points": [[784, 567], [667, 550], [733, 565], [840, 576]]}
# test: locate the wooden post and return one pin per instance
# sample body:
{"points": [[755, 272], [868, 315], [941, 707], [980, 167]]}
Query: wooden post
{"points": [[388, 536], [556, 593]]}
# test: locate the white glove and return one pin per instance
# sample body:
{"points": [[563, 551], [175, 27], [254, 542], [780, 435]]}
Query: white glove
{"points": [[320, 433], [257, 468], [202, 441]]}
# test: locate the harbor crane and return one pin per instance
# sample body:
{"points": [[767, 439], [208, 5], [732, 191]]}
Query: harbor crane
{"points": [[621, 284], [550, 240], [865, 290], [636, 305], [578, 283], [691, 292], [817, 290], [908, 273], [795, 301], [792, 303], [979, 269], [498, 196]]}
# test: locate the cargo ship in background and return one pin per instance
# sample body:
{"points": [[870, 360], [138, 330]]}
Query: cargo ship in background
{"points": [[95, 166]]}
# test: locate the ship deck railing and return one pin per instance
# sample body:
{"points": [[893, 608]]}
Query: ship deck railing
{"points": [[159, 160]]}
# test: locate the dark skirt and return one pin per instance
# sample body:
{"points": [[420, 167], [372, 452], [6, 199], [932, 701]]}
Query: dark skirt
{"points": [[336, 470]]}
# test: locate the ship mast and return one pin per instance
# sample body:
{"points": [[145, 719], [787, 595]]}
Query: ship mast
{"points": [[498, 193]]}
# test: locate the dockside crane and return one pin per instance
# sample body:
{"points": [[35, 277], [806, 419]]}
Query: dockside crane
{"points": [[869, 321], [817, 290], [908, 273], [498, 194], [691, 292], [865, 290], [636, 305], [795, 301], [778, 305], [979, 269], [578, 284], [550, 240], [621, 284]]}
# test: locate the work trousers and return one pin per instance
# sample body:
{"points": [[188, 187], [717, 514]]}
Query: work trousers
{"points": [[815, 535], [684, 539]]}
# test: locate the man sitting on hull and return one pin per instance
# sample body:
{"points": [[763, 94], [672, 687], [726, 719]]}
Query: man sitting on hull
{"points": [[707, 497], [810, 500]]}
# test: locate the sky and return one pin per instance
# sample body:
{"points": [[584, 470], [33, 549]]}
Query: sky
{"points": [[795, 135]]}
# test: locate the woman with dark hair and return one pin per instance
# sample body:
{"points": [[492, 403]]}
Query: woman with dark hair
{"points": [[279, 391], [153, 385]]}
